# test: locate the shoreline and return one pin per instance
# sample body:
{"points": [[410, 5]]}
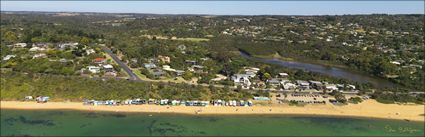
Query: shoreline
{"points": [[366, 109]]}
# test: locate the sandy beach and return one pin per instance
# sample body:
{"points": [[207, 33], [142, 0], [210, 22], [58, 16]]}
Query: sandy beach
{"points": [[368, 108]]}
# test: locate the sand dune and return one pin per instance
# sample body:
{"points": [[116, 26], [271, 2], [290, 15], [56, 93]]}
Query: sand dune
{"points": [[368, 108]]}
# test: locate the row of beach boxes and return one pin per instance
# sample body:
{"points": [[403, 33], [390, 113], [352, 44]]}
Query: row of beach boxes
{"points": [[169, 102]]}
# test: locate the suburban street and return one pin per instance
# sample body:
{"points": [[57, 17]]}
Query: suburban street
{"points": [[122, 64]]}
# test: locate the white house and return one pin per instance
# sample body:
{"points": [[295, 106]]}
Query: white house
{"points": [[241, 79], [108, 68], [62, 46], [167, 68], [90, 51], [289, 85], [395, 62], [284, 75], [275, 82], [40, 45], [331, 87], [219, 77], [40, 55], [303, 84], [94, 69], [149, 65], [7, 57], [20, 45], [251, 74], [33, 49]]}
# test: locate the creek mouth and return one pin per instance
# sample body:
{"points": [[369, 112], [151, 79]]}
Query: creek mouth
{"points": [[326, 70]]}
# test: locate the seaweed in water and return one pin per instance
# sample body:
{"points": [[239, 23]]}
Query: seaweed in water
{"points": [[117, 115], [10, 121], [25, 135], [202, 132], [213, 119], [91, 115], [151, 127], [167, 129], [85, 125], [36, 122], [56, 113]]}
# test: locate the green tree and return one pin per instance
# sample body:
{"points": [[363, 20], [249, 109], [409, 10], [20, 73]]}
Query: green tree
{"points": [[85, 41], [187, 75], [10, 37]]}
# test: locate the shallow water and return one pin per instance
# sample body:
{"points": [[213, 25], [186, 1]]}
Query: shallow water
{"points": [[82, 123]]}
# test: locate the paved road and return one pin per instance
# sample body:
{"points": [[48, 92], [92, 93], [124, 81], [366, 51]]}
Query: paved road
{"points": [[122, 64]]}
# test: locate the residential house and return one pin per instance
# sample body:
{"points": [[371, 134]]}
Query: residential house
{"points": [[303, 84], [191, 62], [258, 83], [108, 68], [35, 49], [167, 68], [351, 87], [205, 59], [274, 82], [40, 45], [288, 85], [99, 60], [157, 73], [149, 65], [90, 51], [252, 69], [283, 75], [40, 55], [340, 86], [19, 45], [153, 60], [7, 57], [94, 69], [251, 74], [179, 72], [196, 68], [219, 77], [63, 46], [316, 84], [241, 79], [395, 62], [164, 59], [331, 87]]}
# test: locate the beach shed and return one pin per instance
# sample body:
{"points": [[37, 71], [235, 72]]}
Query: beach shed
{"points": [[175, 102], [163, 102], [42, 99], [29, 98]]}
